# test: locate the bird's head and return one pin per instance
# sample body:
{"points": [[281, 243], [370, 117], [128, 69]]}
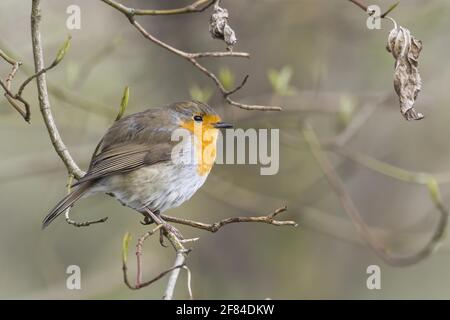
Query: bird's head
{"points": [[192, 114], [203, 123]]}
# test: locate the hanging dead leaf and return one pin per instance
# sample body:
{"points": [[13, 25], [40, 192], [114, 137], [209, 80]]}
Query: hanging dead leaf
{"points": [[405, 48], [219, 27]]}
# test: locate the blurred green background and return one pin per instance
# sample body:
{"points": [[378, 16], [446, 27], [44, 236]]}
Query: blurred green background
{"points": [[307, 56]]}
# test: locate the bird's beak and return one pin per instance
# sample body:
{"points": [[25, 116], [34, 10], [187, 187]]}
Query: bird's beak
{"points": [[222, 125]]}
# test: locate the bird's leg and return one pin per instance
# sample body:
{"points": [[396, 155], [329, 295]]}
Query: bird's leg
{"points": [[148, 220], [149, 214], [168, 228]]}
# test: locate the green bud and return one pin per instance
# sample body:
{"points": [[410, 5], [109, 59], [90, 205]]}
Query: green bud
{"points": [[62, 51], [433, 188], [123, 103], [125, 244]]}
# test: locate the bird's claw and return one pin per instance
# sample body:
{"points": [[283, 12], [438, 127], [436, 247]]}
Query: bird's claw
{"points": [[147, 221], [167, 228]]}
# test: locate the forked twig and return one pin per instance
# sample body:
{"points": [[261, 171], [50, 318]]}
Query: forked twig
{"points": [[216, 226], [130, 13]]}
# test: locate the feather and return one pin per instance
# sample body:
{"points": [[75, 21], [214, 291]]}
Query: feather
{"points": [[66, 203]]}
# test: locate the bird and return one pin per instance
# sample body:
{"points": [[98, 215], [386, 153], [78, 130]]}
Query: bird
{"points": [[136, 162]]}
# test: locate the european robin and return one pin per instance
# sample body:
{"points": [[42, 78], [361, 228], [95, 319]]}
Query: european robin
{"points": [[136, 164]]}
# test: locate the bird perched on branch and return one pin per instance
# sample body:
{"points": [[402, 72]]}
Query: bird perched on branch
{"points": [[152, 160]]}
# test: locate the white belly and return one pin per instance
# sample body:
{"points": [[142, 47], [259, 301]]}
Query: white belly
{"points": [[157, 187]]}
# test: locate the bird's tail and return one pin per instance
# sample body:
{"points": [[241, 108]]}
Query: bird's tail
{"points": [[66, 202]]}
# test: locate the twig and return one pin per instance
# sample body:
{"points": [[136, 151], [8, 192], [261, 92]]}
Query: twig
{"points": [[72, 98], [10, 97], [139, 284], [181, 253], [139, 246], [191, 57], [60, 55], [197, 6], [365, 8], [44, 102], [389, 170], [18, 96], [123, 106], [6, 85], [7, 58], [360, 4], [83, 223], [353, 213], [170, 288], [214, 227], [67, 213], [189, 282]]}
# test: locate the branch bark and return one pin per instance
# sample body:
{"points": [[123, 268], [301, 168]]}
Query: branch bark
{"points": [[197, 6], [44, 101], [214, 227], [6, 85]]}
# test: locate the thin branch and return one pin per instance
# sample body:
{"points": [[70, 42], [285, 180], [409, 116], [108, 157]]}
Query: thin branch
{"points": [[139, 284], [389, 170], [192, 57], [170, 288], [7, 58], [354, 215], [189, 282], [37, 74], [197, 6], [389, 10], [359, 4], [214, 227], [365, 8], [147, 283], [6, 85], [83, 223], [173, 235], [44, 102], [10, 97], [67, 213], [18, 96], [239, 87], [178, 242], [215, 54], [73, 98], [139, 247]]}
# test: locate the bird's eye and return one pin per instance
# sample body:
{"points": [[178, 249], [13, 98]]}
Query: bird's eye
{"points": [[198, 118]]}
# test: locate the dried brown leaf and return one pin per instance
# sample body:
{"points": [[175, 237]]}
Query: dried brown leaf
{"points": [[405, 48], [219, 27]]}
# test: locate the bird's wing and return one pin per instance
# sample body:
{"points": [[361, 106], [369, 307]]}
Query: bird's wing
{"points": [[126, 158]]}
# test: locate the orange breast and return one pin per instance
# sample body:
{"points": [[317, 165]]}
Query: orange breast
{"points": [[205, 142]]}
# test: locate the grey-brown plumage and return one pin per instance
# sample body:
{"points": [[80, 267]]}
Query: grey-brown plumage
{"points": [[134, 162]]}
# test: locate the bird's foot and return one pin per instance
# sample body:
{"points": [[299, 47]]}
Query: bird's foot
{"points": [[167, 228], [147, 221]]}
